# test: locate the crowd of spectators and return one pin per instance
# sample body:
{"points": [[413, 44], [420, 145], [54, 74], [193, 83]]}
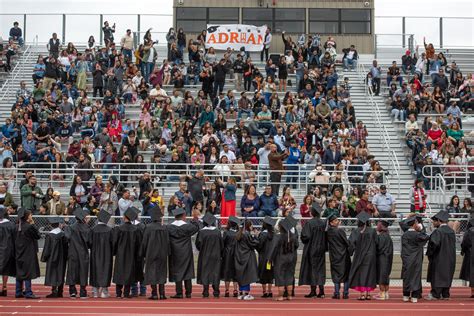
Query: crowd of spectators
{"points": [[430, 95], [281, 135]]}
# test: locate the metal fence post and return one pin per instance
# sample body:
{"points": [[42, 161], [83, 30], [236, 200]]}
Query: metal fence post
{"points": [[64, 29], [441, 32], [137, 36], [403, 32], [24, 28], [100, 29], [375, 47]]}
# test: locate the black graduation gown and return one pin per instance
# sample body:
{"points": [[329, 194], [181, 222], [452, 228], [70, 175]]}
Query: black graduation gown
{"points": [[210, 244], [140, 262], [265, 249], [78, 235], [467, 268], [412, 259], [127, 241], [228, 261], [26, 249], [155, 250], [55, 252], [7, 248], [102, 257], [181, 260], [441, 254], [313, 261], [363, 244], [384, 258], [246, 260], [284, 262], [339, 256]]}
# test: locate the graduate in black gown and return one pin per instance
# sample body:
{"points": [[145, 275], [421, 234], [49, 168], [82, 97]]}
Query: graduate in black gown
{"points": [[78, 235], [264, 249], [441, 255], [363, 244], [7, 249], [283, 255], [228, 264], [245, 259], [26, 249], [467, 268], [101, 260], [210, 244], [155, 250], [313, 261], [181, 259], [413, 240], [138, 288], [339, 257], [127, 242], [55, 255], [384, 259]]}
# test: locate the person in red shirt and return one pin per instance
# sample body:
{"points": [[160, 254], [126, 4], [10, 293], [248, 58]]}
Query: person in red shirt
{"points": [[364, 204], [305, 208], [434, 135]]}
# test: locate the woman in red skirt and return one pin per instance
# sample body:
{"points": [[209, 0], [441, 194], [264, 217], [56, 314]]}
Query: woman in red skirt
{"points": [[228, 199]]}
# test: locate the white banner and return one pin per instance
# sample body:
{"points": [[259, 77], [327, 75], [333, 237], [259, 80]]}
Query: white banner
{"points": [[235, 36]]}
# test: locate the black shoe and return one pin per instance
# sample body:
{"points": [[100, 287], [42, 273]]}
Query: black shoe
{"points": [[265, 295], [336, 297], [204, 295], [321, 295], [293, 293], [270, 294], [163, 297], [134, 295], [285, 294], [310, 295], [19, 296], [178, 296], [236, 294], [345, 296], [188, 295], [73, 295], [226, 294], [153, 297], [3, 293], [216, 295], [128, 296], [52, 295], [142, 294], [31, 297]]}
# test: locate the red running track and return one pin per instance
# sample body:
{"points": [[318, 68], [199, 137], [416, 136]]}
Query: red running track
{"points": [[459, 305]]}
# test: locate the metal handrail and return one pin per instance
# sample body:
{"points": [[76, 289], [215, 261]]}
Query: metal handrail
{"points": [[393, 161]]}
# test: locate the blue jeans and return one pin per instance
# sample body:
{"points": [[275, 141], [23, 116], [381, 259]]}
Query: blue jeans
{"points": [[19, 39], [337, 288], [181, 49], [127, 97], [218, 85], [292, 175], [127, 53], [134, 288], [267, 96], [148, 70], [19, 288], [264, 213], [248, 112], [349, 63], [398, 78]]}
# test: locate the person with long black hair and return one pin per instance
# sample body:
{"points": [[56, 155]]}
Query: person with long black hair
{"points": [[7, 249], [284, 257], [384, 258], [228, 264], [246, 260], [265, 248]]}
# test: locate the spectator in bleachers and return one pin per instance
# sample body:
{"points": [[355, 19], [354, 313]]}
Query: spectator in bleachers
{"points": [[350, 58], [54, 45], [16, 34], [108, 33], [408, 63], [393, 74]]}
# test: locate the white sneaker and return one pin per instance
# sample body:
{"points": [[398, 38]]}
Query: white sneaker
{"points": [[406, 298], [387, 296], [414, 300], [240, 297], [248, 297]]}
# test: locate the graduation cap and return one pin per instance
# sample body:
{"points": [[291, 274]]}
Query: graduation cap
{"points": [[410, 221], [332, 217], [317, 207], [363, 217], [79, 213], [288, 223], [442, 216], [234, 220], [270, 221], [21, 212], [385, 223], [103, 216], [55, 220], [131, 214], [155, 213], [178, 211], [209, 219]]}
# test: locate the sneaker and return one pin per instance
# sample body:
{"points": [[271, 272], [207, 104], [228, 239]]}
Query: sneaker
{"points": [[83, 297], [248, 297], [430, 297], [414, 300], [406, 298], [387, 297], [240, 297], [73, 296], [104, 295]]}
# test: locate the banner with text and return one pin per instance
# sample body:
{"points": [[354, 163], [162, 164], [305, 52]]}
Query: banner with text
{"points": [[236, 36]]}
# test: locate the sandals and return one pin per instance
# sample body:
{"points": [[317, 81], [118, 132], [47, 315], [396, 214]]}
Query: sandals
{"points": [[279, 298], [368, 297], [236, 293], [362, 298]]}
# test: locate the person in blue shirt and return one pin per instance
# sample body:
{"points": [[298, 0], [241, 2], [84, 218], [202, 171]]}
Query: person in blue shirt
{"points": [[268, 203], [70, 91], [29, 145], [39, 70], [292, 164]]}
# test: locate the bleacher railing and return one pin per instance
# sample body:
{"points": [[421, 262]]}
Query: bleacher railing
{"points": [[384, 139]]}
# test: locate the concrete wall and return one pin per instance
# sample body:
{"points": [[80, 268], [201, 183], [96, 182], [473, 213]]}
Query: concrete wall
{"points": [[363, 42]]}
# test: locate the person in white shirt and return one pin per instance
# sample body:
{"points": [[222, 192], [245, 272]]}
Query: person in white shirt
{"points": [[137, 79], [127, 45], [127, 200], [411, 124], [229, 153], [266, 44], [158, 93]]}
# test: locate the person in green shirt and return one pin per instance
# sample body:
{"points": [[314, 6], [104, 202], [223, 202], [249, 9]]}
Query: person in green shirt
{"points": [[31, 195], [455, 132], [331, 210]]}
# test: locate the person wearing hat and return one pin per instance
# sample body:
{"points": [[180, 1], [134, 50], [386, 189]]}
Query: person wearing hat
{"points": [[26, 248], [313, 261], [441, 255], [283, 256], [467, 268], [339, 256], [384, 204], [55, 251], [384, 258], [264, 249], [181, 258], [155, 249], [363, 242], [101, 241], [127, 240], [245, 260], [210, 244], [7, 249], [228, 265], [55, 206], [413, 241], [78, 235]]}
